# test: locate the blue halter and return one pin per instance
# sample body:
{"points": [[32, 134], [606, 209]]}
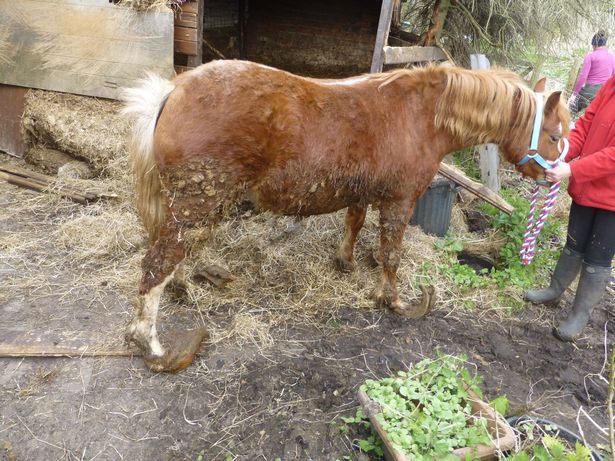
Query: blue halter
{"points": [[532, 153]]}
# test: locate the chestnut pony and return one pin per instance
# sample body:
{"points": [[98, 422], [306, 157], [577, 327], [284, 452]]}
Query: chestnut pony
{"points": [[234, 130]]}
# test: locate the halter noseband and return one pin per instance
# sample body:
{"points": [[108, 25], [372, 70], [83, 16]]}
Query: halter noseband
{"points": [[532, 153]]}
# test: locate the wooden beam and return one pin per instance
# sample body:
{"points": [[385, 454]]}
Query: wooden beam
{"points": [[16, 343], [476, 188], [45, 343], [406, 54], [382, 36]]}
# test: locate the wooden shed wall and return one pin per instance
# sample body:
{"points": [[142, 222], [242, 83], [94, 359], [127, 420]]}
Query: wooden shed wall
{"points": [[321, 38]]}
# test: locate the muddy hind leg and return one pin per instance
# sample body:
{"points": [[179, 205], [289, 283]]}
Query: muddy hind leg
{"points": [[393, 222], [159, 266], [355, 217]]}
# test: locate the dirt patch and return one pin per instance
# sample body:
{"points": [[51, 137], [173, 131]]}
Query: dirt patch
{"points": [[292, 340]]}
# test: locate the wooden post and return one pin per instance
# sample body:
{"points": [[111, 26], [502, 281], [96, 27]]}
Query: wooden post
{"points": [[12, 100], [195, 61], [489, 156], [382, 37]]}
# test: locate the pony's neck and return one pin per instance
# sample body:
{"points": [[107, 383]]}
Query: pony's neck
{"points": [[489, 106]]}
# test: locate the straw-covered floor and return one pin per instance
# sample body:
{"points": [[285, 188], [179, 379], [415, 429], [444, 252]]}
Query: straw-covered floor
{"points": [[291, 338]]}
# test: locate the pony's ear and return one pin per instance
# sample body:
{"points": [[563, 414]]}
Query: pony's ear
{"points": [[552, 101], [540, 85]]}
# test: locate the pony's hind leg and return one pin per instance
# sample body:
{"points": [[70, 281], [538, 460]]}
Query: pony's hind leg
{"points": [[179, 284], [394, 219], [159, 266], [355, 217]]}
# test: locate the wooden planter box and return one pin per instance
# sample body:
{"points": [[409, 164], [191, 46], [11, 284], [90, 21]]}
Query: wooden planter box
{"points": [[501, 432]]}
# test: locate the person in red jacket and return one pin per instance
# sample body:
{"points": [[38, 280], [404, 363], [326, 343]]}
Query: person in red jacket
{"points": [[590, 244]]}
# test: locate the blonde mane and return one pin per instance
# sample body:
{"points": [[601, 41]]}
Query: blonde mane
{"points": [[486, 106], [478, 106]]}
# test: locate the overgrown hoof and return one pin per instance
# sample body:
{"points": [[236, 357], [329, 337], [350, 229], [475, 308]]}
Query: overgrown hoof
{"points": [[418, 309], [381, 300], [344, 265], [181, 348]]}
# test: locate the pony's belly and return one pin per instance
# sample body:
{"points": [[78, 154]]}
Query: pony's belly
{"points": [[301, 201]]}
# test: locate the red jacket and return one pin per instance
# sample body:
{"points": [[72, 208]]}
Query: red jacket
{"points": [[592, 143]]}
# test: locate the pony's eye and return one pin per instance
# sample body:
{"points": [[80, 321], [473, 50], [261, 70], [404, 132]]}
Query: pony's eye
{"points": [[554, 138]]}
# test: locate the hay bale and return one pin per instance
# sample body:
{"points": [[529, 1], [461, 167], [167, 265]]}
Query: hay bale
{"points": [[88, 129]]}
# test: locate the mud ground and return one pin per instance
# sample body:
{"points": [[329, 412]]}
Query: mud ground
{"points": [[242, 400]]}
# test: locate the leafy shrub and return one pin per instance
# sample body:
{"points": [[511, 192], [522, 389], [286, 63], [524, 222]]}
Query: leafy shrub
{"points": [[426, 412]]}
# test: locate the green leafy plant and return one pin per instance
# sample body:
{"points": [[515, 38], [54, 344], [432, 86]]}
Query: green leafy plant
{"points": [[460, 274], [541, 443], [426, 411], [553, 449], [509, 272]]}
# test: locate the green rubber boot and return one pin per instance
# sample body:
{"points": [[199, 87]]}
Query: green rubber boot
{"points": [[592, 286], [566, 270]]}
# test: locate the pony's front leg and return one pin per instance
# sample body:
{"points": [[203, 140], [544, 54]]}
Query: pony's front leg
{"points": [[394, 217], [355, 217], [159, 266]]}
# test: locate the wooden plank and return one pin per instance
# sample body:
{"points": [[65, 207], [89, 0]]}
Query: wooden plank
{"points": [[17, 343], [185, 20], [406, 54], [184, 34], [190, 7], [489, 154], [45, 343], [12, 104], [478, 189], [382, 36], [183, 47], [85, 47]]}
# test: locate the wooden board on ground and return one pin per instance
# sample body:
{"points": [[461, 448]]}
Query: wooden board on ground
{"points": [[18, 343], [12, 104], [89, 47], [44, 343], [478, 189]]}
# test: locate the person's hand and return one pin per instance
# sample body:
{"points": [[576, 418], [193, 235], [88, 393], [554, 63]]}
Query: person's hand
{"points": [[558, 173]]}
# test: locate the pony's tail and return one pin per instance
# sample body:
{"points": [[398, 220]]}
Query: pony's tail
{"points": [[143, 104]]}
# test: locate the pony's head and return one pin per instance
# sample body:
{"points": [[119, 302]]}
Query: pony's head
{"points": [[547, 144], [496, 106]]}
